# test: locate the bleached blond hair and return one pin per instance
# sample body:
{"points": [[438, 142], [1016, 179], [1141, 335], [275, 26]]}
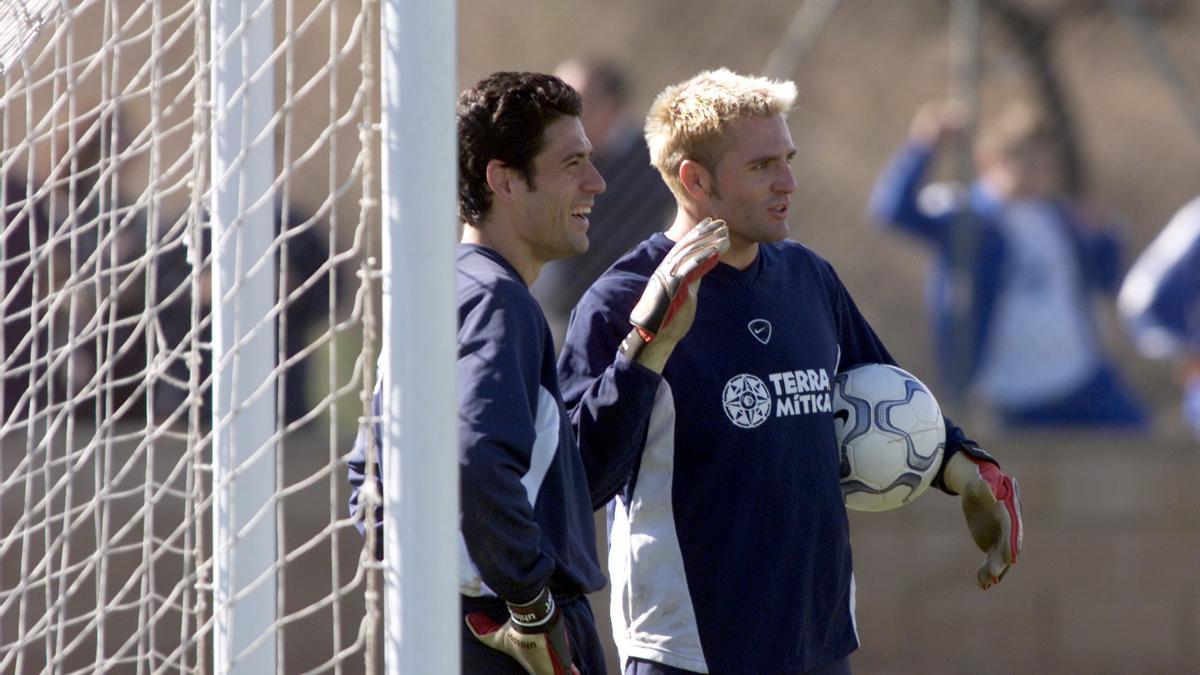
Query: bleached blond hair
{"points": [[689, 120]]}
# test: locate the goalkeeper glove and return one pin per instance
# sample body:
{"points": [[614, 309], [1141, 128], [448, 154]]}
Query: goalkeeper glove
{"points": [[991, 503], [667, 291], [534, 636]]}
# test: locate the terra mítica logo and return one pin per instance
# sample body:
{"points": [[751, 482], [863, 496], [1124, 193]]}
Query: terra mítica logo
{"points": [[746, 400]]}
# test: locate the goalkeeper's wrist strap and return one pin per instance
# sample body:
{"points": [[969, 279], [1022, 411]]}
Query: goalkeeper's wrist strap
{"points": [[535, 615], [635, 342], [977, 454]]}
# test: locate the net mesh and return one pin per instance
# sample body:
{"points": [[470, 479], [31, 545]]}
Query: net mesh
{"points": [[106, 499]]}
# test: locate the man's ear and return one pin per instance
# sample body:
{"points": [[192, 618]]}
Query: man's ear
{"points": [[501, 178], [696, 179]]}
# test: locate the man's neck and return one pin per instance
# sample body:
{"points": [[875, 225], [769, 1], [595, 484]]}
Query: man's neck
{"points": [[741, 253], [496, 236]]}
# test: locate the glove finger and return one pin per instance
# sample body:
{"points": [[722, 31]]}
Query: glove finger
{"points": [[702, 229], [483, 627], [993, 570], [698, 263], [708, 228], [696, 242], [1003, 573], [983, 517], [997, 564], [713, 233], [701, 249], [985, 578], [698, 239]]}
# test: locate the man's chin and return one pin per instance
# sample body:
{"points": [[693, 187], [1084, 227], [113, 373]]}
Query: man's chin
{"points": [[776, 233], [574, 248]]}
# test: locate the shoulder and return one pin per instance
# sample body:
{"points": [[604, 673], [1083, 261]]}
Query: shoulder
{"points": [[627, 276], [799, 258], [481, 272], [488, 286], [808, 276]]}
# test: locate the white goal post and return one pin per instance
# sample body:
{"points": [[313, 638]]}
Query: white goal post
{"points": [[191, 312], [419, 210]]}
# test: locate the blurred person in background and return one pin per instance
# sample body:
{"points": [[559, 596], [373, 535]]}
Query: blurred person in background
{"points": [[1160, 300], [22, 224], [1034, 263], [94, 228], [635, 204], [58, 230], [730, 545], [304, 287]]}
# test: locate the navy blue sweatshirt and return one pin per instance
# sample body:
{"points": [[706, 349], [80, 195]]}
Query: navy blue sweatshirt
{"points": [[729, 544], [528, 484]]}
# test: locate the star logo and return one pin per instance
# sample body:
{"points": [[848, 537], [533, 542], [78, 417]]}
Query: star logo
{"points": [[746, 400]]}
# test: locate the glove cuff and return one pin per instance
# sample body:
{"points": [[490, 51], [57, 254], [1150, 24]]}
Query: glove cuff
{"points": [[534, 616], [635, 342], [977, 454]]}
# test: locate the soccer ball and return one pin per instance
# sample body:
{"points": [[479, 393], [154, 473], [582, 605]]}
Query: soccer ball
{"points": [[890, 435]]}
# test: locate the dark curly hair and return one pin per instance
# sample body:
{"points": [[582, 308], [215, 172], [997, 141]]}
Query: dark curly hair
{"points": [[503, 117]]}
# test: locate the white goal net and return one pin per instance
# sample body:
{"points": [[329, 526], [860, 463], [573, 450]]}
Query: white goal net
{"points": [[188, 340]]}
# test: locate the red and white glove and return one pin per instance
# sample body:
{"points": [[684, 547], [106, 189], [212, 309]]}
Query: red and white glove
{"points": [[534, 636], [688, 260], [991, 503]]}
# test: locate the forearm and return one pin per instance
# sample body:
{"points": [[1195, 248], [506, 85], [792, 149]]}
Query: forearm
{"points": [[957, 472], [610, 422], [894, 196], [366, 484], [957, 444], [498, 527], [652, 356]]}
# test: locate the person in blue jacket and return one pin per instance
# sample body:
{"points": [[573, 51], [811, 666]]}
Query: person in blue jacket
{"points": [[532, 474], [1017, 272], [729, 540], [1160, 300]]}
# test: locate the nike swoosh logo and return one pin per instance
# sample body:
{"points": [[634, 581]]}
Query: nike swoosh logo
{"points": [[761, 330], [843, 415]]}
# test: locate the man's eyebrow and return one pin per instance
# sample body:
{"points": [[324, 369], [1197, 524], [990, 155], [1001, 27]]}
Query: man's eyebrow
{"points": [[577, 153], [770, 156]]}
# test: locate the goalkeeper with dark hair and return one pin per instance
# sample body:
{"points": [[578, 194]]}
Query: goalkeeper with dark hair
{"points": [[532, 475]]}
